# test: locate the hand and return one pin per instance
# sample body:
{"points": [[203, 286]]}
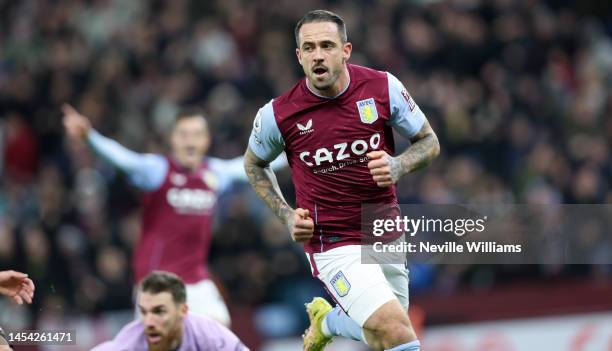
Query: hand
{"points": [[385, 169], [77, 126], [300, 225], [16, 286]]}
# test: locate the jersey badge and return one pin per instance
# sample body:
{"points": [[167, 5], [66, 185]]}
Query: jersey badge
{"points": [[341, 284], [257, 128], [409, 100], [367, 110], [210, 179]]}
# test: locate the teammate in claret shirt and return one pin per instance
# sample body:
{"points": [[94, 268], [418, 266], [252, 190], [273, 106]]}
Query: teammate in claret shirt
{"points": [[166, 324], [180, 194], [336, 127]]}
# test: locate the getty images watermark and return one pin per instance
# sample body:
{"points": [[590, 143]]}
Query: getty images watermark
{"points": [[487, 234], [413, 226]]}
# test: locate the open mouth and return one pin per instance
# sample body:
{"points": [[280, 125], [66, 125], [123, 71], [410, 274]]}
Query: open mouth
{"points": [[191, 151], [154, 338], [319, 71]]}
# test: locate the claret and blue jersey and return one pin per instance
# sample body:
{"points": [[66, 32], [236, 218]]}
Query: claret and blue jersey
{"points": [[326, 141], [178, 206]]}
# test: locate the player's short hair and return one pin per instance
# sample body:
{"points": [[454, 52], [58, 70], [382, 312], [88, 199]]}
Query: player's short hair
{"points": [[158, 281], [321, 16], [190, 112]]}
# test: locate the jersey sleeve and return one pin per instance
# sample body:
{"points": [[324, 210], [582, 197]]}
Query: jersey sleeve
{"points": [[146, 171], [107, 346], [232, 170], [130, 337], [266, 140], [406, 116], [209, 334]]}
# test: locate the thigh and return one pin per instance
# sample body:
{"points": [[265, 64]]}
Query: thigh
{"points": [[205, 299], [359, 289]]}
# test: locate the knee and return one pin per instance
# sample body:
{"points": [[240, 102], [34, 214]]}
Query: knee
{"points": [[397, 332], [393, 331]]}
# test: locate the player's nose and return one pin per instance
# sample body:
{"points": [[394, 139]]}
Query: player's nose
{"points": [[317, 55], [148, 321]]}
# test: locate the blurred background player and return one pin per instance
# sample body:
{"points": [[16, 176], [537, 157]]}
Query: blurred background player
{"points": [[180, 194], [16, 286], [327, 123], [167, 325]]}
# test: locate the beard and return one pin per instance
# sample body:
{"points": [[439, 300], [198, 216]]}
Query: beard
{"points": [[327, 83], [170, 341], [161, 346]]}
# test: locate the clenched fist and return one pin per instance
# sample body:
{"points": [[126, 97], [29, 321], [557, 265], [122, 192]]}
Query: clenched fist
{"points": [[301, 226], [384, 168]]}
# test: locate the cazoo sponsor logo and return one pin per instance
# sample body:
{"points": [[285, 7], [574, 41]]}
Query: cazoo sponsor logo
{"points": [[191, 200], [339, 155]]}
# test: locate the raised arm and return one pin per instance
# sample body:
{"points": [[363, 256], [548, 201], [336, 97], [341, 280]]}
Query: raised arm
{"points": [[232, 170], [146, 171]]}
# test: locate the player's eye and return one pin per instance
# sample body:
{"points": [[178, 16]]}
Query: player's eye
{"points": [[159, 312]]}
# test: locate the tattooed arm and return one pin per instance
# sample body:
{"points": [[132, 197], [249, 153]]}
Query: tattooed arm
{"points": [[264, 182], [386, 170]]}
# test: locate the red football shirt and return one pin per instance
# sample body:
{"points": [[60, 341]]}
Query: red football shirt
{"points": [[326, 141], [176, 224]]}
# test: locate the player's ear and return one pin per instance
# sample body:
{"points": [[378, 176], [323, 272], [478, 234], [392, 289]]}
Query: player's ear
{"points": [[298, 54], [183, 309], [347, 48], [207, 140]]}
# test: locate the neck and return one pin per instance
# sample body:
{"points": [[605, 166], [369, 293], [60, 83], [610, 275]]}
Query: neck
{"points": [[185, 165], [338, 88]]}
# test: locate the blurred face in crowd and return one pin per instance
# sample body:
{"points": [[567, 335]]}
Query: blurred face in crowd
{"points": [[162, 319], [190, 140], [323, 57]]}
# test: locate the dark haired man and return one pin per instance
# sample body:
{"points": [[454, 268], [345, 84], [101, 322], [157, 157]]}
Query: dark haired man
{"points": [[166, 325], [180, 194], [336, 128]]}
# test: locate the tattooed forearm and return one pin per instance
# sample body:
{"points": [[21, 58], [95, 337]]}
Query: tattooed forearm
{"points": [[424, 149], [264, 182]]}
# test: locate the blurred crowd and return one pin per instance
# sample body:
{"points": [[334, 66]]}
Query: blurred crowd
{"points": [[519, 92]]}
